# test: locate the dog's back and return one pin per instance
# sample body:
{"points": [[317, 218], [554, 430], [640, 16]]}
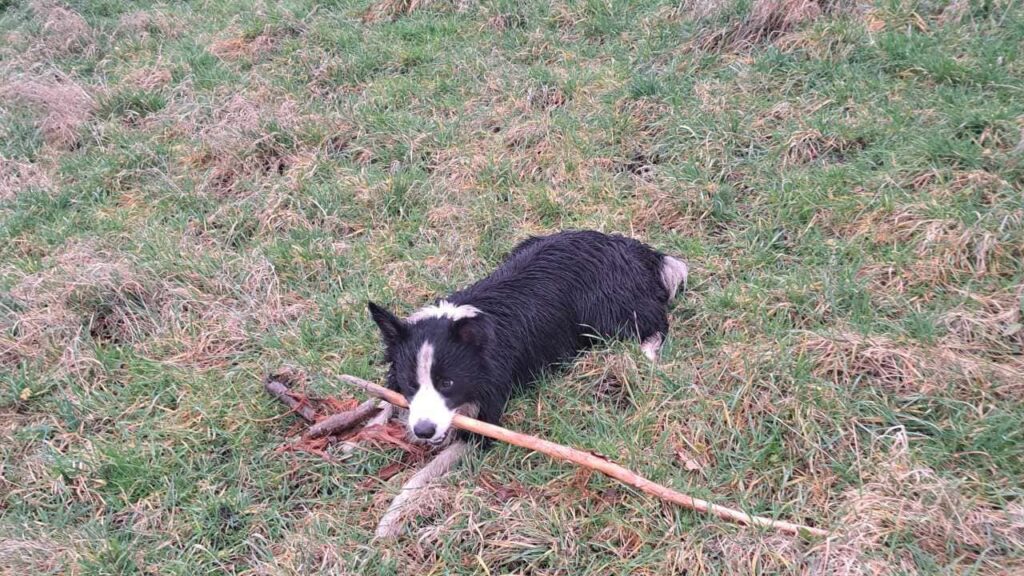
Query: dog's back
{"points": [[551, 298], [555, 295]]}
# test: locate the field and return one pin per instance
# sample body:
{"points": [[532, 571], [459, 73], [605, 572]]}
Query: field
{"points": [[195, 193]]}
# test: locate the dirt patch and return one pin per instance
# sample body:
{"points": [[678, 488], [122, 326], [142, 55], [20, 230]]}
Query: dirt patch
{"points": [[62, 105]]}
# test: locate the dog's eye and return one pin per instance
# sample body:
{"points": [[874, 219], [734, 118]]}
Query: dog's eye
{"points": [[444, 385]]}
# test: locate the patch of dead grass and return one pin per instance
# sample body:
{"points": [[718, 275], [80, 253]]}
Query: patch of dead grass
{"points": [[392, 10], [905, 501], [239, 47], [143, 24], [509, 535], [86, 297], [17, 176], [943, 248], [806, 146], [735, 552], [766, 21], [62, 104], [64, 30], [208, 328], [249, 137], [41, 555], [148, 78], [83, 294], [903, 368], [899, 500], [654, 206], [611, 378], [989, 325]]}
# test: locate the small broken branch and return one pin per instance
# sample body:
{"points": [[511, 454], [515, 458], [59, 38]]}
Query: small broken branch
{"points": [[342, 421], [279, 389], [598, 463]]}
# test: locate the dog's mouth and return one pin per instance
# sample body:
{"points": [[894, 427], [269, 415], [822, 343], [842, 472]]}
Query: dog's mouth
{"points": [[429, 442], [470, 409]]}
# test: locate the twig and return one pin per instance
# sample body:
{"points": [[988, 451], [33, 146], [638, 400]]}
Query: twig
{"points": [[278, 389], [342, 421], [598, 463]]}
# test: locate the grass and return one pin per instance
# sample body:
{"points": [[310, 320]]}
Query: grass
{"points": [[192, 194]]}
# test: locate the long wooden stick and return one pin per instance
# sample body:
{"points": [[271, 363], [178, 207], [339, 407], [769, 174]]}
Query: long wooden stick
{"points": [[598, 463]]}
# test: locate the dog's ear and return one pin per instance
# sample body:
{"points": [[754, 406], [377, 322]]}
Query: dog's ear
{"points": [[474, 330], [392, 328]]}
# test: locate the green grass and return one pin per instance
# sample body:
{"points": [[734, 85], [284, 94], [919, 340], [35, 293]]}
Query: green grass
{"points": [[239, 181]]}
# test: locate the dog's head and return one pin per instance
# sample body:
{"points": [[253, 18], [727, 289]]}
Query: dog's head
{"points": [[437, 361]]}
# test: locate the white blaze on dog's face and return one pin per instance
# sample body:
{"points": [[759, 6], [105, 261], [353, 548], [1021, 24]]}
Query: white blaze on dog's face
{"points": [[436, 360], [429, 414]]}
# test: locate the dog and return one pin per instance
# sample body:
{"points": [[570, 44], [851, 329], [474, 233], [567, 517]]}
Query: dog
{"points": [[552, 298]]}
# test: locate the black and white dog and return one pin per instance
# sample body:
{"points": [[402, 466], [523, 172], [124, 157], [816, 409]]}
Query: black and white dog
{"points": [[553, 297]]}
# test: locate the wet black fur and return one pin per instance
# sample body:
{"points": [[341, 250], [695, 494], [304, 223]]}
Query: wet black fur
{"points": [[552, 297]]}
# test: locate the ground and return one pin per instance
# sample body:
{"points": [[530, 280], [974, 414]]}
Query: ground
{"points": [[194, 193]]}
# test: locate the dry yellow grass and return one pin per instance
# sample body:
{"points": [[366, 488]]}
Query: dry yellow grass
{"points": [[63, 106], [905, 368], [63, 29]]}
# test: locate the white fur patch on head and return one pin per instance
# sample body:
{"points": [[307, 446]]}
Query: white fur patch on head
{"points": [[444, 309], [673, 273], [427, 404]]}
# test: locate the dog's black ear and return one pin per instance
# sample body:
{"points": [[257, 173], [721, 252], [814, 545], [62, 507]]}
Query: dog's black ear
{"points": [[392, 328], [475, 331]]}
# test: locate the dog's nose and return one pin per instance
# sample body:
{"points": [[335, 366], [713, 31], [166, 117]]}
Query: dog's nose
{"points": [[424, 429]]}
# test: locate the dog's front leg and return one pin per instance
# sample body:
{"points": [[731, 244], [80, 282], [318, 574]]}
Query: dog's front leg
{"points": [[391, 523]]}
